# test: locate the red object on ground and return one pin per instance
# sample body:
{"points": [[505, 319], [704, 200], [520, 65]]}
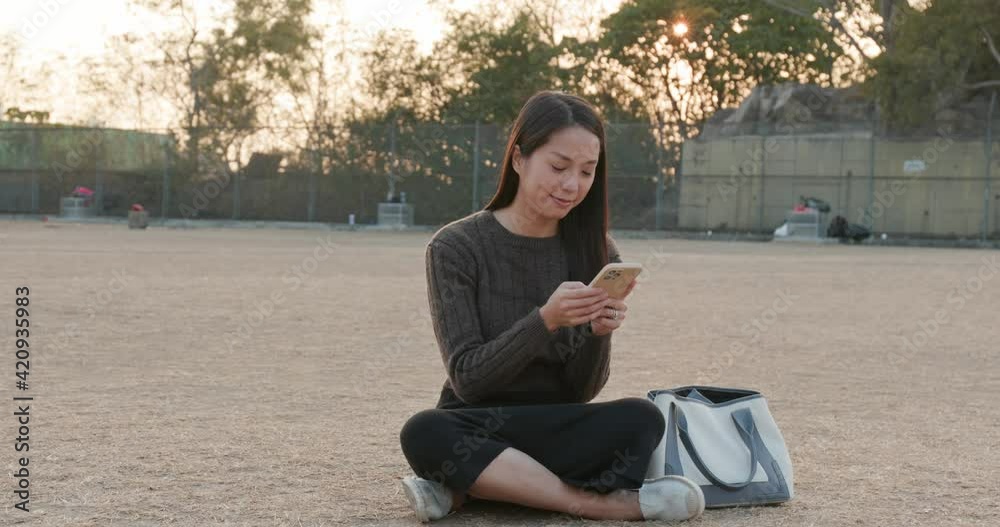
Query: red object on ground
{"points": [[137, 207], [82, 191], [800, 207]]}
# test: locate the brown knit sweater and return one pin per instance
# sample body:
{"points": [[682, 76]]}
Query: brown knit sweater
{"points": [[486, 286]]}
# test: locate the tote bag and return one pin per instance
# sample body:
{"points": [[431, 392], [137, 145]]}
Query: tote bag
{"points": [[726, 441]]}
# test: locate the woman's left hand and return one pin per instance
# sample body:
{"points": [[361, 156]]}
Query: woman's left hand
{"points": [[604, 324]]}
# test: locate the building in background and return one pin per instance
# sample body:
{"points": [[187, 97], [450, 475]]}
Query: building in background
{"points": [[751, 164], [40, 163]]}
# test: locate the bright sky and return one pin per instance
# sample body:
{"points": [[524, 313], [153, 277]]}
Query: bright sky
{"points": [[77, 29], [80, 27]]}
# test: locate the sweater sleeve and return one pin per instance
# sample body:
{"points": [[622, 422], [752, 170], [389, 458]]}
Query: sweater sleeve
{"points": [[589, 363], [476, 368]]}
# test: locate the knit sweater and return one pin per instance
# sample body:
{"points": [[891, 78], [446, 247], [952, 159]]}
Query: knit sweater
{"points": [[486, 286]]}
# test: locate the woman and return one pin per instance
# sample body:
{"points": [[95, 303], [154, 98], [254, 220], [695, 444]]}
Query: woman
{"points": [[526, 343]]}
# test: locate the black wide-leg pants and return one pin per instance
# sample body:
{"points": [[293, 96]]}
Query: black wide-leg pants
{"points": [[598, 446]]}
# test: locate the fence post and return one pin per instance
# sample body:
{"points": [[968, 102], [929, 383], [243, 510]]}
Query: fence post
{"points": [[392, 160], [34, 170], [311, 207], [236, 191], [989, 162], [869, 218], [98, 176], [660, 185], [763, 180], [845, 181], [165, 198], [475, 169]]}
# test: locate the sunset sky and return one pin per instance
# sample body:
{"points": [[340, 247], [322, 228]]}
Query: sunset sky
{"points": [[81, 27], [78, 29]]}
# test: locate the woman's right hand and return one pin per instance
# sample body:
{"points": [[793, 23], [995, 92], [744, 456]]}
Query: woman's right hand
{"points": [[572, 304]]}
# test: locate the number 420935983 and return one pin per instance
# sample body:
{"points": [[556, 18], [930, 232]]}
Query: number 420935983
{"points": [[21, 335]]}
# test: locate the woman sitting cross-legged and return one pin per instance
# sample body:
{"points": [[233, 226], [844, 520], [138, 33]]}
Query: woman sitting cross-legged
{"points": [[527, 343]]}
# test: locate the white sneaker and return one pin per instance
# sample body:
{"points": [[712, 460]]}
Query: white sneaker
{"points": [[671, 498], [430, 500]]}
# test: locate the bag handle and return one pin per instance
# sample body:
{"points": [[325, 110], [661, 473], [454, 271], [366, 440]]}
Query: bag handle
{"points": [[745, 425]]}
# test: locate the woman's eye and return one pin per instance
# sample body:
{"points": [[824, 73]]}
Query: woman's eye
{"points": [[558, 169]]}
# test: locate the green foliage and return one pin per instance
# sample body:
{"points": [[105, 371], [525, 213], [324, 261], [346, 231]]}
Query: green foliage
{"points": [[730, 47], [224, 80], [260, 52], [502, 66], [488, 65], [483, 70], [26, 116], [939, 57]]}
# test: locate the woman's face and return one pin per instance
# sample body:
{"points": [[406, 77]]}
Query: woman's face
{"points": [[557, 176]]}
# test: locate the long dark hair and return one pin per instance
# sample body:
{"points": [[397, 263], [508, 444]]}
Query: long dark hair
{"points": [[584, 229]]}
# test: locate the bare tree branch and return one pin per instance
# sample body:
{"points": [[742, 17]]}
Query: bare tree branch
{"points": [[834, 21], [992, 46], [545, 24], [791, 9], [996, 55], [984, 84]]}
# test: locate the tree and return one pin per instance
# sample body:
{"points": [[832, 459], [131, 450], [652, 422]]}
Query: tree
{"points": [[20, 87], [13, 82], [432, 117], [223, 80], [124, 75], [319, 107], [500, 67], [678, 62], [943, 55]]}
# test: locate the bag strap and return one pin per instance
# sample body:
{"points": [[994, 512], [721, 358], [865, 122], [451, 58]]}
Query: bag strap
{"points": [[745, 425]]}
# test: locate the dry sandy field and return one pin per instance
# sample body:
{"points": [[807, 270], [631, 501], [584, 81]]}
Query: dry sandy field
{"points": [[201, 377]]}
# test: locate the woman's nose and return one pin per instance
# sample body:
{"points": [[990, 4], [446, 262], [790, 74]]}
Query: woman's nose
{"points": [[569, 184]]}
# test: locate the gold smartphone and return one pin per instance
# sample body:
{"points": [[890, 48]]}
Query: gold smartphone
{"points": [[616, 277]]}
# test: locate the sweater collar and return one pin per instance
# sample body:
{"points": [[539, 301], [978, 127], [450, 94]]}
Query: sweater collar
{"points": [[517, 239]]}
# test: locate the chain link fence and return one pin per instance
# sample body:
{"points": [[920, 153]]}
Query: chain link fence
{"points": [[742, 179], [938, 183], [444, 172]]}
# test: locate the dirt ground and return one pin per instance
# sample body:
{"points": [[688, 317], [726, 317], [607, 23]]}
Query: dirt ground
{"points": [[171, 391]]}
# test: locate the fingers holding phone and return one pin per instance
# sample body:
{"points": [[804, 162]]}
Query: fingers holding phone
{"points": [[572, 304], [611, 319], [628, 290], [617, 279]]}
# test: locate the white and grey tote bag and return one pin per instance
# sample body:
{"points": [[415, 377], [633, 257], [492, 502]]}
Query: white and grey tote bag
{"points": [[726, 441]]}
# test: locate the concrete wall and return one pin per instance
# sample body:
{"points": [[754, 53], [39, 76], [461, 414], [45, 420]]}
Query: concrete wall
{"points": [[722, 187]]}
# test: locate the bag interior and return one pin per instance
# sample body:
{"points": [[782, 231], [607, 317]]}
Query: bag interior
{"points": [[712, 395]]}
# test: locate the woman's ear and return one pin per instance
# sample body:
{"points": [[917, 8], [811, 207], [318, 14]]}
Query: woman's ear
{"points": [[517, 161]]}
